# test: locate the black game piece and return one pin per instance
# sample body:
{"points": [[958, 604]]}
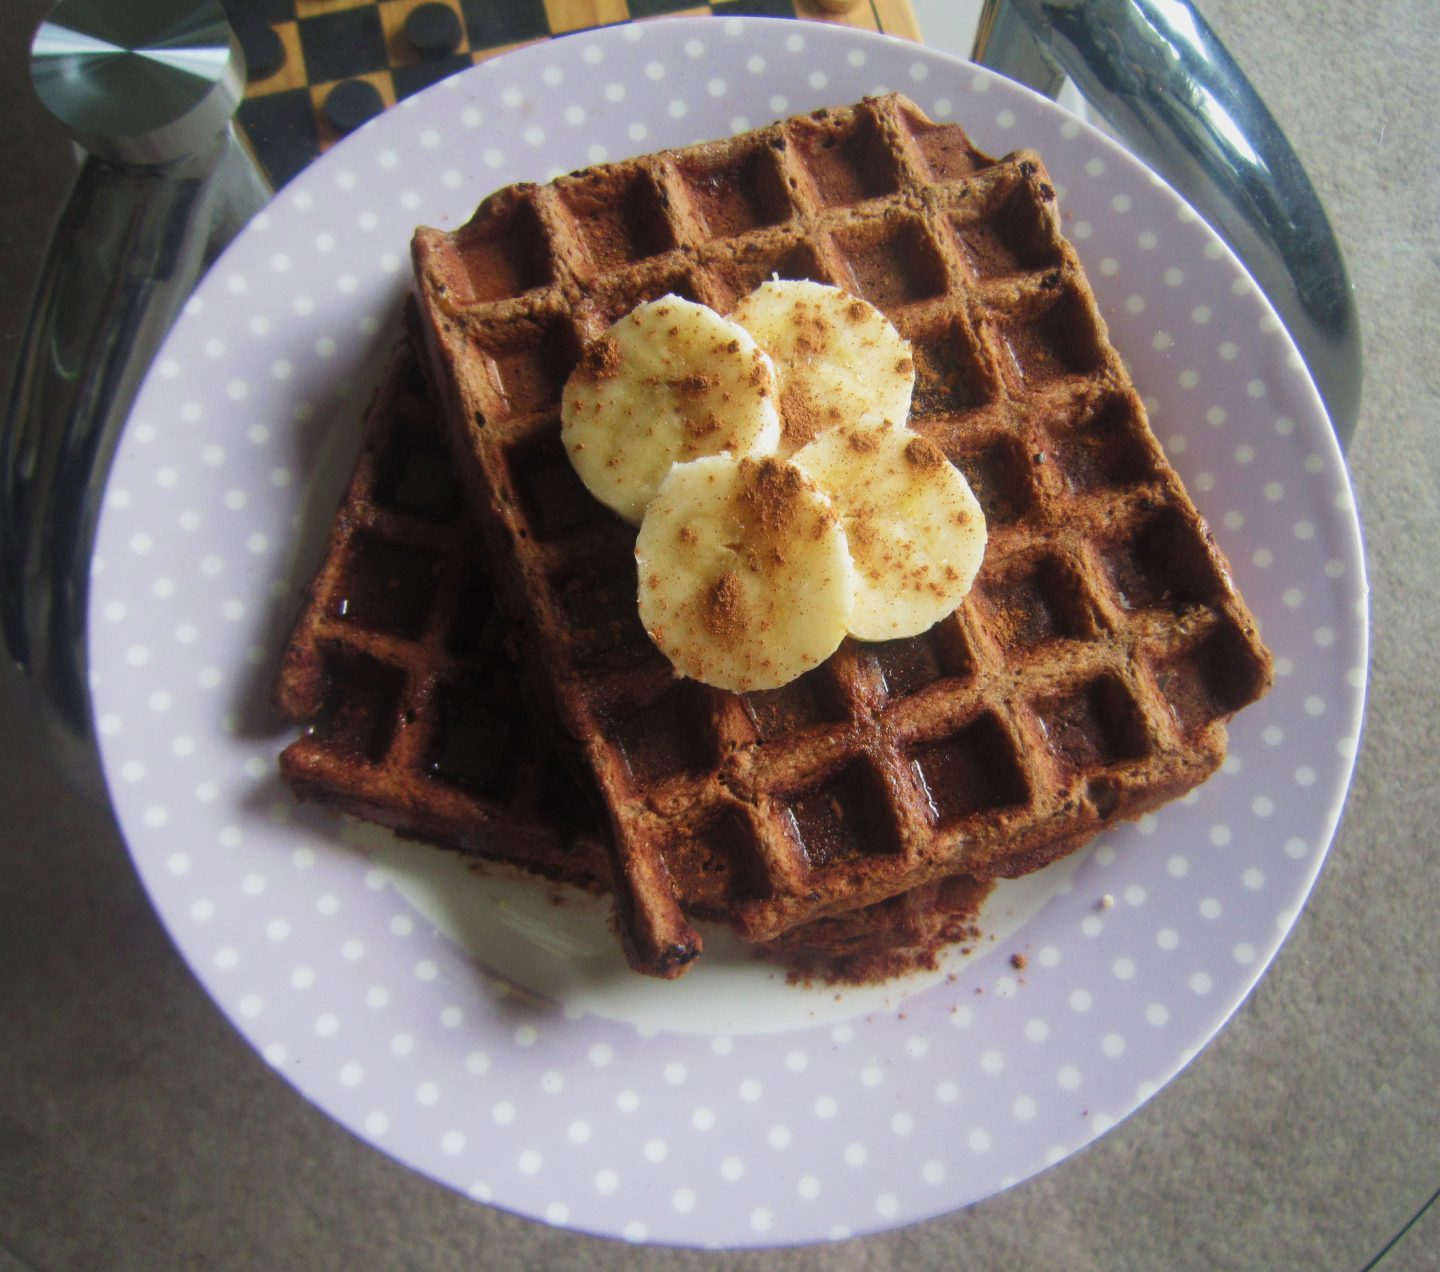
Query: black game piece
{"points": [[433, 30], [352, 103], [264, 50]]}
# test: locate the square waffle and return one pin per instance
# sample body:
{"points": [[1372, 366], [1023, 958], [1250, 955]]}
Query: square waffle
{"points": [[1085, 680], [415, 718]]}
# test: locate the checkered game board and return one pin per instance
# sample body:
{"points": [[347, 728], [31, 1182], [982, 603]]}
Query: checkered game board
{"points": [[328, 42]]}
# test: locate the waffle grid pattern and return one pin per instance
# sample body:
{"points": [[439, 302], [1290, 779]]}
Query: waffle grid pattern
{"points": [[1087, 678], [415, 718], [396, 662]]}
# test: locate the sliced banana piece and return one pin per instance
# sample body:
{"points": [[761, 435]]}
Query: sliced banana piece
{"points": [[745, 577], [837, 357], [915, 529], [671, 381]]}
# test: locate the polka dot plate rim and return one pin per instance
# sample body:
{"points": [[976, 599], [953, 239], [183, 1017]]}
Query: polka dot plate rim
{"points": [[576, 1110]]}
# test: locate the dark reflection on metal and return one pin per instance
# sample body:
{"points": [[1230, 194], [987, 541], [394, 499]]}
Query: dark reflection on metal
{"points": [[1170, 90], [166, 186]]}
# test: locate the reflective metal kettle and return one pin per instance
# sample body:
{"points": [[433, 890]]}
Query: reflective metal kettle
{"points": [[1172, 93], [148, 89]]}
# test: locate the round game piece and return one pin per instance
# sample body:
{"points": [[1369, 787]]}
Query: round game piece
{"points": [[351, 103], [264, 50], [433, 30]]}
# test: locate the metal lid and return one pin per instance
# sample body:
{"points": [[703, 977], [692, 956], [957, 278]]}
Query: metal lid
{"points": [[139, 81]]}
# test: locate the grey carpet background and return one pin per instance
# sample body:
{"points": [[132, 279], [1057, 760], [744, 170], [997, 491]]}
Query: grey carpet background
{"points": [[137, 1130]]}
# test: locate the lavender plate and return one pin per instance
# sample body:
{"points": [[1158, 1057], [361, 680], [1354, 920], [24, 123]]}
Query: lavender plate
{"points": [[496, 1043]]}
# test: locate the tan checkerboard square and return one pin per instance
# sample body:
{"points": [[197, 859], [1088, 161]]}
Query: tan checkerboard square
{"points": [[314, 8], [292, 73], [577, 15]]}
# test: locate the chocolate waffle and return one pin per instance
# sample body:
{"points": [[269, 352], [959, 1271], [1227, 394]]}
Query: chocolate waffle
{"points": [[415, 716], [1086, 679], [397, 666]]}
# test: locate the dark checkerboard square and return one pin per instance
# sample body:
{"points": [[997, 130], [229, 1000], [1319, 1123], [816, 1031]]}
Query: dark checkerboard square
{"points": [[493, 22], [658, 8], [411, 79], [254, 12], [754, 8], [343, 44], [282, 132]]}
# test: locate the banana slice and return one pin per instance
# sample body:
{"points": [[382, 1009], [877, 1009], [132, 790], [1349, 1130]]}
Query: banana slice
{"points": [[915, 529], [837, 357], [671, 381], [745, 578]]}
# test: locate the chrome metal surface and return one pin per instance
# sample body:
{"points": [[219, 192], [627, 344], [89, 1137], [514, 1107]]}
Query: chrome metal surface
{"points": [[1174, 95], [138, 81], [134, 238]]}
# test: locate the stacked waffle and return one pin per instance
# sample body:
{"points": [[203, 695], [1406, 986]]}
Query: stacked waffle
{"points": [[416, 719], [1086, 679]]}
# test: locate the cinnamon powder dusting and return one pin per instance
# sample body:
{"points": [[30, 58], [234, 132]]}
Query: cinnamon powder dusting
{"points": [[923, 453], [811, 331], [771, 494], [724, 609], [800, 421], [601, 360], [760, 374], [696, 383], [696, 431]]}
